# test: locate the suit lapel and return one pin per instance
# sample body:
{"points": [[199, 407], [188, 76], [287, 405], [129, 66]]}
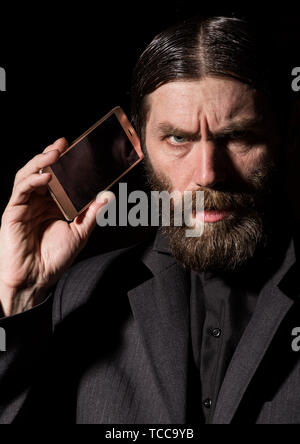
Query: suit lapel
{"points": [[160, 308], [272, 307]]}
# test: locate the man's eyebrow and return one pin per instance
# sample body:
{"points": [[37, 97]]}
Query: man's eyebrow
{"points": [[243, 125], [166, 128], [246, 124]]}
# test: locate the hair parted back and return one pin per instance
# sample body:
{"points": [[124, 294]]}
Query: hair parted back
{"points": [[203, 46]]}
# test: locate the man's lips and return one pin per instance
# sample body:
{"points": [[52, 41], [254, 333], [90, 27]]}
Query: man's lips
{"points": [[213, 215]]}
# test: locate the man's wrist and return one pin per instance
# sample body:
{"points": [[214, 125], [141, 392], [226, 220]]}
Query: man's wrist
{"points": [[17, 300]]}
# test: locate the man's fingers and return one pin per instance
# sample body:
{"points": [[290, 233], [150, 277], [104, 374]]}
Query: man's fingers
{"points": [[60, 144], [86, 221], [24, 188], [49, 156], [36, 164]]}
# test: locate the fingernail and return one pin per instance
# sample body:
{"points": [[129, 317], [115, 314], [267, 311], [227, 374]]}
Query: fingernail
{"points": [[51, 151], [105, 197]]}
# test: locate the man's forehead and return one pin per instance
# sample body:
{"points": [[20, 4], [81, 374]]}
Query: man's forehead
{"points": [[183, 103]]}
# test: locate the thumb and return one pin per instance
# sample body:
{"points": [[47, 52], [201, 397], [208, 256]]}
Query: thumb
{"points": [[86, 221]]}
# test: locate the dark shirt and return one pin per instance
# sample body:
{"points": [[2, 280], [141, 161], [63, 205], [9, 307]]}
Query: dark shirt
{"points": [[219, 314]]}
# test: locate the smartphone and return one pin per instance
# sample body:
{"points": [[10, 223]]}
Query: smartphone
{"points": [[94, 162]]}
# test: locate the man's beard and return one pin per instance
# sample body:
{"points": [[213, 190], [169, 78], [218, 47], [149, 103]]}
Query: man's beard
{"points": [[230, 243]]}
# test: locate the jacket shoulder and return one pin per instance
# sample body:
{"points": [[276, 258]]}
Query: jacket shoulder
{"points": [[78, 282]]}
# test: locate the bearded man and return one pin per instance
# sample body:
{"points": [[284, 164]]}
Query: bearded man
{"points": [[177, 329]]}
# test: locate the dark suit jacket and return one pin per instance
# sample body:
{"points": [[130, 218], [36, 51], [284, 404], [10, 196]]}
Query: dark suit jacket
{"points": [[110, 345]]}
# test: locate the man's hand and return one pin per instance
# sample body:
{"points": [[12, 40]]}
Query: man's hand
{"points": [[36, 243]]}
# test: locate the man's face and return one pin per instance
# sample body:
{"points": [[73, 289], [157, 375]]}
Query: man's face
{"points": [[215, 135]]}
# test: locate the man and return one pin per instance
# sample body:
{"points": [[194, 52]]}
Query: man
{"points": [[175, 330]]}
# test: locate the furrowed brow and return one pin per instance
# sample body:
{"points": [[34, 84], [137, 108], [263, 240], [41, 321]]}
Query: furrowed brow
{"points": [[250, 124], [167, 129]]}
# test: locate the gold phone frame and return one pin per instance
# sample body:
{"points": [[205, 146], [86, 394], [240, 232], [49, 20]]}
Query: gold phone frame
{"points": [[56, 189]]}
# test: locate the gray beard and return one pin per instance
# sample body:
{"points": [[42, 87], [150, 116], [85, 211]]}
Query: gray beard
{"points": [[229, 244], [226, 245]]}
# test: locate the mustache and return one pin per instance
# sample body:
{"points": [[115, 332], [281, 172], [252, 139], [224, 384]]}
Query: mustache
{"points": [[223, 201], [229, 197]]}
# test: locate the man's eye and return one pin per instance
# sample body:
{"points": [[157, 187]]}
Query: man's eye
{"points": [[239, 135], [176, 140]]}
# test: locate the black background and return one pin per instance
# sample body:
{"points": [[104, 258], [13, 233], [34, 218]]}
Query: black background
{"points": [[68, 64]]}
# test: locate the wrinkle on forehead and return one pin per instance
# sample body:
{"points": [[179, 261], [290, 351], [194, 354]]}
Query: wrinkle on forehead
{"points": [[211, 101]]}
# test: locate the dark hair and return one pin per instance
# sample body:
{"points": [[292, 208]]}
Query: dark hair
{"points": [[219, 46]]}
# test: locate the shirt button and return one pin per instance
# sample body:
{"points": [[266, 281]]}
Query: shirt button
{"points": [[216, 332], [207, 403]]}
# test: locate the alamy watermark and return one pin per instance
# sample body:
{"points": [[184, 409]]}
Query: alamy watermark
{"points": [[154, 211], [2, 340], [296, 80], [296, 340], [2, 79]]}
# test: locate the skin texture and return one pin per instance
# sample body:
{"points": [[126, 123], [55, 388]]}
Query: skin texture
{"points": [[205, 108]]}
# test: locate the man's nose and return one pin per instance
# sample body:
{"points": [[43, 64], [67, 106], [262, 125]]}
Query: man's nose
{"points": [[209, 164]]}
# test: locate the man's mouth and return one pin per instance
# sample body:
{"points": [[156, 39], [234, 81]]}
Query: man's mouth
{"points": [[212, 215]]}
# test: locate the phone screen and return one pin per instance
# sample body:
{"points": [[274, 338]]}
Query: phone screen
{"points": [[95, 162]]}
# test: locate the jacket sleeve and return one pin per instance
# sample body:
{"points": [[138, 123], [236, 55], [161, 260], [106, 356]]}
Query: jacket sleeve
{"points": [[25, 359]]}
